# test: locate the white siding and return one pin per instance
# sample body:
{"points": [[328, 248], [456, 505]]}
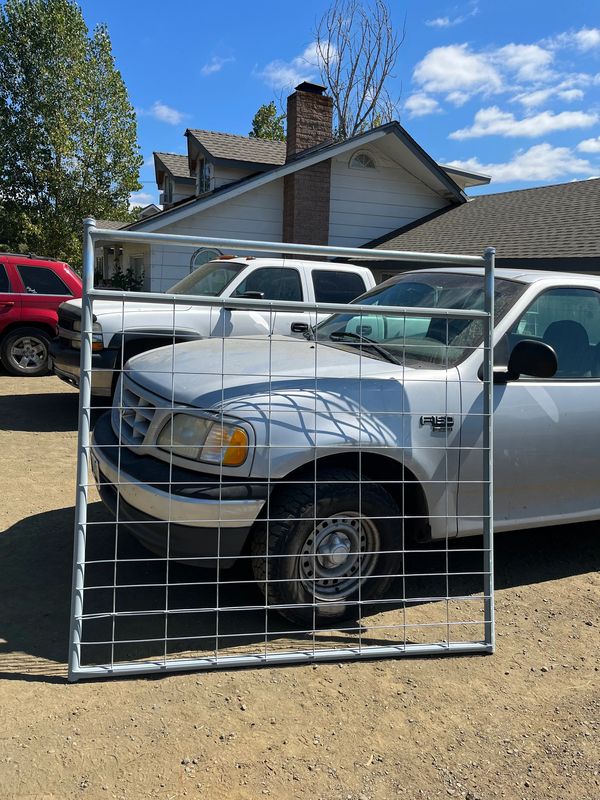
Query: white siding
{"points": [[368, 203], [223, 176], [256, 214]]}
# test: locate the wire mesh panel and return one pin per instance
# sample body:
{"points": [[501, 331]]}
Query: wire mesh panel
{"points": [[273, 497]]}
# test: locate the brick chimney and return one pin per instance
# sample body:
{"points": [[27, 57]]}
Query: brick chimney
{"points": [[306, 192]]}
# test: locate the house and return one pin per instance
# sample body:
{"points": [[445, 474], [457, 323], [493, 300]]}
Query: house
{"points": [[549, 227], [308, 189]]}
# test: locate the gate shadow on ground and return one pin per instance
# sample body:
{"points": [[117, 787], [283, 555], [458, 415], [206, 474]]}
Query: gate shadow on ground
{"points": [[36, 584]]}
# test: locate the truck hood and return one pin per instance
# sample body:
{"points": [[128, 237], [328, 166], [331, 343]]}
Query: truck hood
{"points": [[211, 371], [104, 308]]}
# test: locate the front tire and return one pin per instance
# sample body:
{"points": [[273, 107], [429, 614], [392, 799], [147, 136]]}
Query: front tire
{"points": [[24, 352], [328, 546]]}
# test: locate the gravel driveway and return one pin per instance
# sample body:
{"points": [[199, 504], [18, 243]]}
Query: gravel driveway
{"points": [[524, 723]]}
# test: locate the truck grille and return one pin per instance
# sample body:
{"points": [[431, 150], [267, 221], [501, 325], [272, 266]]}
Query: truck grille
{"points": [[135, 415]]}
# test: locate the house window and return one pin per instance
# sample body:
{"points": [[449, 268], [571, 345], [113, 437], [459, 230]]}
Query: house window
{"points": [[168, 189], [199, 175], [136, 264], [203, 255], [362, 160]]}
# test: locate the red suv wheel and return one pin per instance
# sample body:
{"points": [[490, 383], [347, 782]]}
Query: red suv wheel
{"points": [[25, 352]]}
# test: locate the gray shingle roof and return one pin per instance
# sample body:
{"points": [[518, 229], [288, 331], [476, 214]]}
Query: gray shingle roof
{"points": [[241, 148], [561, 221], [111, 224], [177, 165]]}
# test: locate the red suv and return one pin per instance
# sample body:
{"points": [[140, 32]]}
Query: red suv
{"points": [[31, 290]]}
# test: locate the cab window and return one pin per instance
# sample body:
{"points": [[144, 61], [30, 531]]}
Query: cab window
{"points": [[568, 319], [274, 283]]}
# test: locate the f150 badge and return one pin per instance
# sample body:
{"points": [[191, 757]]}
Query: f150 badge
{"points": [[438, 422]]}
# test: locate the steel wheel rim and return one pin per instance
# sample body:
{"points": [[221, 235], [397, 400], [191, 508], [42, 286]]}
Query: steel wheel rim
{"points": [[28, 353], [336, 557]]}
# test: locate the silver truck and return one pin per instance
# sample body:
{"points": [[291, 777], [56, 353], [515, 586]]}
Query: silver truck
{"points": [[314, 472], [122, 330]]}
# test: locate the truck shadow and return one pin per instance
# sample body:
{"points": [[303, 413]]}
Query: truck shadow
{"points": [[47, 412], [35, 595]]}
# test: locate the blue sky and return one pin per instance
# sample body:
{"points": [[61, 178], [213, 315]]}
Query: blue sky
{"points": [[509, 88]]}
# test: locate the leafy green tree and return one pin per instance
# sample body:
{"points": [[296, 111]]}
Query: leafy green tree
{"points": [[268, 124], [69, 141]]}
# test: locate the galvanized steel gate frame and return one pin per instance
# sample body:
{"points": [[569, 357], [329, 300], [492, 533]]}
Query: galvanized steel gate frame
{"points": [[92, 234]]}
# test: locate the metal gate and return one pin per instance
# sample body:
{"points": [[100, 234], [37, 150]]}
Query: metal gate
{"points": [[271, 499]]}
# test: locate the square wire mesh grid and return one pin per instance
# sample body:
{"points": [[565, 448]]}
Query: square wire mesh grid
{"points": [[270, 498]]}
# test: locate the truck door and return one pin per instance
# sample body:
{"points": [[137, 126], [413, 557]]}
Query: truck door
{"points": [[42, 293], [268, 283]]}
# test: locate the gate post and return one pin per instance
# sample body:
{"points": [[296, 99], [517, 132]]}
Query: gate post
{"points": [[83, 449], [489, 258]]}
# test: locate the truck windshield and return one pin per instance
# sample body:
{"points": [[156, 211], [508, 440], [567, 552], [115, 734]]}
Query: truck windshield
{"points": [[209, 279], [422, 340]]}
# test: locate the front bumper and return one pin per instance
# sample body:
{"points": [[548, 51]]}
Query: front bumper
{"points": [[64, 361], [174, 512]]}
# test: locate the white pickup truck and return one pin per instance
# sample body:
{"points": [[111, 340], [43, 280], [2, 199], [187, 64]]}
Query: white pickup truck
{"points": [[122, 330]]}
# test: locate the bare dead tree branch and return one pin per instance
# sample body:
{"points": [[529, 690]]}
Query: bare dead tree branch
{"points": [[357, 48]]}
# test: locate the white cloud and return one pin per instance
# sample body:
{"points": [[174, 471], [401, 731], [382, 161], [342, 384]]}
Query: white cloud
{"points": [[571, 94], [141, 199], [542, 162], [494, 121], [440, 22], [215, 64], [450, 22], [280, 74], [530, 62], [454, 68], [590, 145], [540, 96], [420, 104], [164, 113], [458, 98], [149, 162], [584, 39], [587, 38]]}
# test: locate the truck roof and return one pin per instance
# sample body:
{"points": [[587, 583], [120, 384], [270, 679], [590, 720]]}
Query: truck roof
{"points": [[258, 261]]}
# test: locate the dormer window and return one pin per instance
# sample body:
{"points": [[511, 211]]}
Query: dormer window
{"points": [[362, 160], [168, 189], [204, 175]]}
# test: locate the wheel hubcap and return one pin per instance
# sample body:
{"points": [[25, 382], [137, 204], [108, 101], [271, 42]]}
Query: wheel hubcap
{"points": [[28, 353], [338, 555]]}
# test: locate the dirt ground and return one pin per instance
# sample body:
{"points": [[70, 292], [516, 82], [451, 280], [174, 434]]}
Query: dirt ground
{"points": [[523, 723]]}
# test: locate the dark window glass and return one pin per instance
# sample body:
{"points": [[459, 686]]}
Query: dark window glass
{"points": [[4, 282], [274, 283], [41, 280], [336, 287], [568, 319]]}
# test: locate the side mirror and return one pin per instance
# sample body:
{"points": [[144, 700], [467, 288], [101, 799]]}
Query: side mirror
{"points": [[531, 357]]}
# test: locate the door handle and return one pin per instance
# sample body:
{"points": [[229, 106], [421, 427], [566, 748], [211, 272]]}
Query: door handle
{"points": [[8, 304], [299, 327]]}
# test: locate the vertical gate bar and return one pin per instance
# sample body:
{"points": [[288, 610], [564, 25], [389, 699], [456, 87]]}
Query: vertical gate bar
{"points": [[488, 443], [83, 443]]}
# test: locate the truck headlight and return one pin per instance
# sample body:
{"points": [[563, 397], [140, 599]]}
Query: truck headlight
{"points": [[97, 341], [203, 439]]}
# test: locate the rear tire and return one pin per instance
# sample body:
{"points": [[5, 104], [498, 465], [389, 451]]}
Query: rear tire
{"points": [[317, 558], [24, 352]]}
